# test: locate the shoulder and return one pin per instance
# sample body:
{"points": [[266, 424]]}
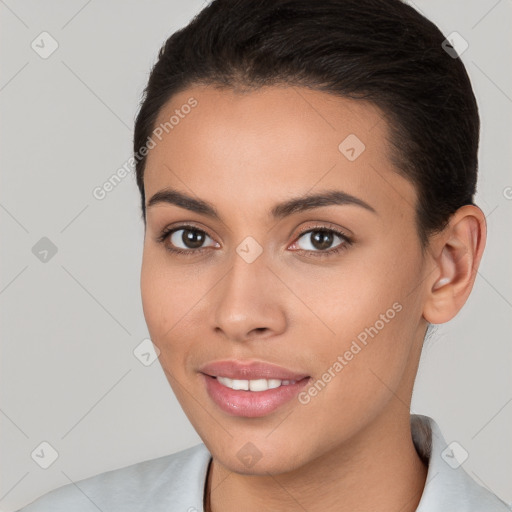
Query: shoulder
{"points": [[448, 487], [171, 482]]}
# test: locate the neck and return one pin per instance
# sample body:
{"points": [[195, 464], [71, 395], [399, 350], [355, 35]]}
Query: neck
{"points": [[377, 469]]}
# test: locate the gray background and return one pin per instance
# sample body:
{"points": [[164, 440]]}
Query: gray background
{"points": [[70, 324]]}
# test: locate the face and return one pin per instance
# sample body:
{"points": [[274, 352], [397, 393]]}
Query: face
{"points": [[326, 292]]}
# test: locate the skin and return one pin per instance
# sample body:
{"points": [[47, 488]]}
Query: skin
{"points": [[350, 447]]}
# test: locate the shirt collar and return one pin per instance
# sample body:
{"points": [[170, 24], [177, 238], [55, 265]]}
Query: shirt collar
{"points": [[448, 487]]}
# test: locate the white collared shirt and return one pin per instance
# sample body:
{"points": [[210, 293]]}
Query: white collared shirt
{"points": [[176, 482]]}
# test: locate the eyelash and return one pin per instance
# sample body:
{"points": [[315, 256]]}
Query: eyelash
{"points": [[346, 241]]}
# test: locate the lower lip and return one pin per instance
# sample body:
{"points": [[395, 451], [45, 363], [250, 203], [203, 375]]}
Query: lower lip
{"points": [[251, 404]]}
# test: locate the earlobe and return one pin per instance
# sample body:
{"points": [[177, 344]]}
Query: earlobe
{"points": [[459, 251]]}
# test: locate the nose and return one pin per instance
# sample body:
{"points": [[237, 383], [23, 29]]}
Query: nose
{"points": [[249, 302]]}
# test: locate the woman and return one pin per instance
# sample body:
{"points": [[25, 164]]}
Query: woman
{"points": [[307, 180]]}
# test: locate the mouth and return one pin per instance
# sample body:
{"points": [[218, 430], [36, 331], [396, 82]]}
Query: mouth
{"points": [[250, 370], [252, 389], [256, 385]]}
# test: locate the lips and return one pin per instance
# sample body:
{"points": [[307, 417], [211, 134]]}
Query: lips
{"points": [[252, 370], [251, 389], [251, 404]]}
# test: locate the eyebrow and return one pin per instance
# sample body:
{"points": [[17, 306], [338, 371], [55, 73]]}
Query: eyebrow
{"points": [[279, 211]]}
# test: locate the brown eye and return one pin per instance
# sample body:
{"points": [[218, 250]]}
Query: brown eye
{"points": [[320, 240], [190, 238], [185, 240]]}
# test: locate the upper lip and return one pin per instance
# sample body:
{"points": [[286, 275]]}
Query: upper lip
{"points": [[249, 370]]}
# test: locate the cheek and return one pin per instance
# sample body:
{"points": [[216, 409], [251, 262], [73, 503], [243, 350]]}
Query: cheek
{"points": [[152, 294], [162, 299], [171, 298], [165, 306], [341, 301], [364, 318]]}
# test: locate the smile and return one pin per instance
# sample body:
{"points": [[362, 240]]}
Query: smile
{"points": [[253, 385], [252, 398]]}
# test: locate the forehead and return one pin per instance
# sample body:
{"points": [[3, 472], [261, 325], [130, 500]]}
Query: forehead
{"points": [[254, 148]]}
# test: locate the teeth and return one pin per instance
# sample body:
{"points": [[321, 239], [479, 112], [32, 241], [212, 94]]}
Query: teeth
{"points": [[254, 385]]}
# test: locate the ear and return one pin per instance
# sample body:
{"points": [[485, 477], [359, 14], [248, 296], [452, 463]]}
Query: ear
{"points": [[456, 252]]}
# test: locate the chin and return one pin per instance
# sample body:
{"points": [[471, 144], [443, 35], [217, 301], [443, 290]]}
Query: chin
{"points": [[248, 460]]}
